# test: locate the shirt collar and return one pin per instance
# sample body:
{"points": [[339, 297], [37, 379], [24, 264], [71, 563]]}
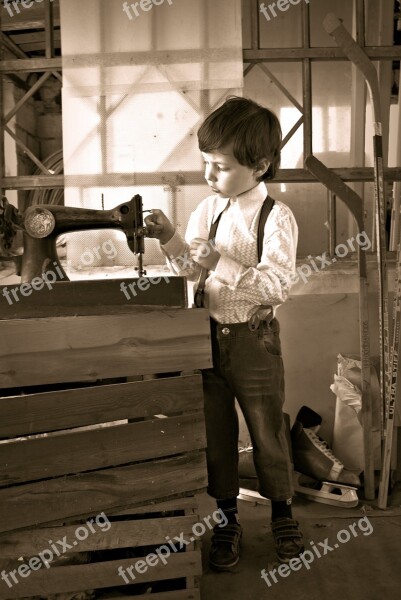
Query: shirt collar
{"points": [[248, 202]]}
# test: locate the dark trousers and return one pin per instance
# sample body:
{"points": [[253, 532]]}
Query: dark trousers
{"points": [[247, 365]]}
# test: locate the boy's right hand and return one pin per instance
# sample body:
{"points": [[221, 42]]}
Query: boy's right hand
{"points": [[159, 226]]}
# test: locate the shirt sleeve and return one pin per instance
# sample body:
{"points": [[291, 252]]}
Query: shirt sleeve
{"points": [[177, 249], [270, 281]]}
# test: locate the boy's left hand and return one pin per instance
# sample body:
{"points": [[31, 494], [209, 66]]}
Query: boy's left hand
{"points": [[204, 253]]}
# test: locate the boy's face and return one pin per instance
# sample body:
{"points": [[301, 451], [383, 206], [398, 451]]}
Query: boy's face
{"points": [[225, 176]]}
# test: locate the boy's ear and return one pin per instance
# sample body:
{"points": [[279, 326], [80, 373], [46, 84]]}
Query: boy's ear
{"points": [[261, 167]]}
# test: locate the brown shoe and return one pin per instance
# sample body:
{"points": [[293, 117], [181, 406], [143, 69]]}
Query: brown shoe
{"points": [[288, 539], [225, 550]]}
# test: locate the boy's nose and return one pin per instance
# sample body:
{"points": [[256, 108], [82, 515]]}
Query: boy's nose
{"points": [[210, 175]]}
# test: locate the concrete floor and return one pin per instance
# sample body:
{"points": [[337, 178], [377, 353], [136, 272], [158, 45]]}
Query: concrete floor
{"points": [[367, 567]]}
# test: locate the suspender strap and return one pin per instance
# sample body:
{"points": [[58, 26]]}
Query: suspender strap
{"points": [[264, 213], [200, 290]]}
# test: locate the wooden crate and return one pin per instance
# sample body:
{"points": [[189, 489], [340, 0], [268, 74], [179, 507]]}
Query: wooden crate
{"points": [[174, 577], [67, 455]]}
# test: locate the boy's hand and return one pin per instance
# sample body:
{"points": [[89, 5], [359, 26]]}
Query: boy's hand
{"points": [[159, 226], [204, 253]]}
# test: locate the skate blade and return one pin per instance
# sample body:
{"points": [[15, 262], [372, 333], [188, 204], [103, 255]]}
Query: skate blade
{"points": [[335, 494], [252, 496]]}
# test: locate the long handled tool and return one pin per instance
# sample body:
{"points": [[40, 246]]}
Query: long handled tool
{"points": [[388, 439], [355, 205], [360, 59]]}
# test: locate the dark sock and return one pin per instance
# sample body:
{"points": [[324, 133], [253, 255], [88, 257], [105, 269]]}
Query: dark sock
{"points": [[229, 508], [281, 509]]}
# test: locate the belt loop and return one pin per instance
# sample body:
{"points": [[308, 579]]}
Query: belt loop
{"points": [[253, 322]]}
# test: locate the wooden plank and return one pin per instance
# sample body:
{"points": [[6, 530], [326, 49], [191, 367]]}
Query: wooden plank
{"points": [[28, 182], [34, 46], [33, 37], [49, 28], [26, 18], [2, 110], [55, 410], [86, 494], [31, 65], [106, 535], [191, 594], [100, 575], [297, 54], [95, 297], [31, 182], [30, 460], [267, 54], [183, 504], [97, 347], [27, 24]]}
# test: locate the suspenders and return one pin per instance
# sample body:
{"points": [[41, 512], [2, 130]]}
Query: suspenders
{"points": [[264, 213]]}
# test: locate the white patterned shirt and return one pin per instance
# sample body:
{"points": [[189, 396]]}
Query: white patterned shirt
{"points": [[240, 287]]}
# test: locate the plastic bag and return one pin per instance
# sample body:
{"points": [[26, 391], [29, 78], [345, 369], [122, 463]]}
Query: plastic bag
{"points": [[347, 442]]}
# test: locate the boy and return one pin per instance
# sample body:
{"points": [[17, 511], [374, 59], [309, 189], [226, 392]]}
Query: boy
{"points": [[240, 145]]}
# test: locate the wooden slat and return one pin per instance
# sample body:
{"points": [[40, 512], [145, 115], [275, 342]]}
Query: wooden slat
{"points": [[27, 18], [33, 37], [65, 349], [30, 460], [107, 535], [329, 53], [267, 54], [71, 298], [183, 504], [31, 65], [34, 46], [29, 182], [50, 411], [100, 575], [86, 494], [192, 594]]}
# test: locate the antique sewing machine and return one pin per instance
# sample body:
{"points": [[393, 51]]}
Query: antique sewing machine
{"points": [[42, 224]]}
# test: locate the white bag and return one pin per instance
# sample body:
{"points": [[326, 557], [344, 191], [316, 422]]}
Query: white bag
{"points": [[347, 443]]}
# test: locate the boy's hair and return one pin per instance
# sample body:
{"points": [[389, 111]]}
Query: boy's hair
{"points": [[254, 131]]}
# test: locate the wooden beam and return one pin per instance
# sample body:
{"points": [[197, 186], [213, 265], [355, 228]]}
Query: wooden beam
{"points": [[26, 96], [125, 58], [306, 83], [35, 46], [26, 150], [27, 24], [280, 86], [31, 182], [2, 155], [20, 83], [33, 37], [31, 65], [255, 29], [296, 54], [11, 46], [358, 104], [49, 29], [27, 18]]}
